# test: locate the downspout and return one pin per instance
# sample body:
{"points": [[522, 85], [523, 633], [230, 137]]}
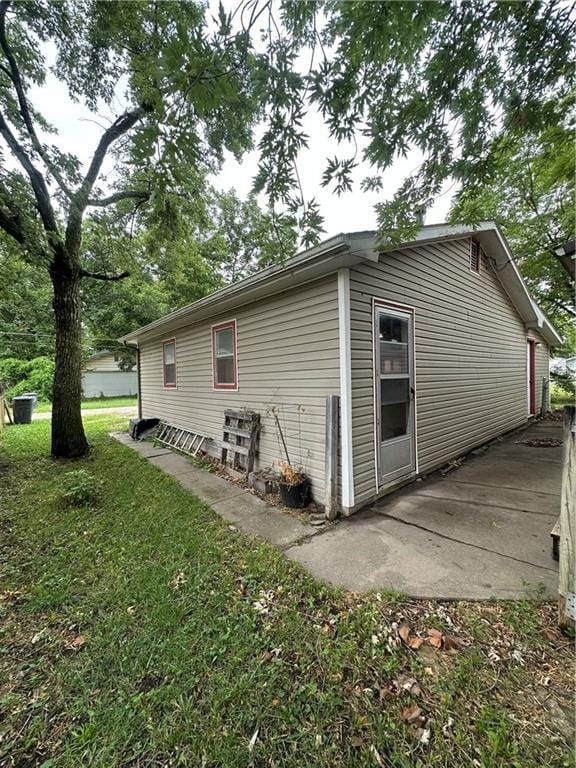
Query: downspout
{"points": [[138, 375]]}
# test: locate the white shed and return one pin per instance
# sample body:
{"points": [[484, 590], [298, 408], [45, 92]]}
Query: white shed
{"points": [[103, 377]]}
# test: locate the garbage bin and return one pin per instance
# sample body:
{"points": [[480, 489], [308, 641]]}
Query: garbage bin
{"points": [[22, 409], [33, 395]]}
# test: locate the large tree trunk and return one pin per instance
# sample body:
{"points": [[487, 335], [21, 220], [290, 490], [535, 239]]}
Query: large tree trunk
{"points": [[68, 438]]}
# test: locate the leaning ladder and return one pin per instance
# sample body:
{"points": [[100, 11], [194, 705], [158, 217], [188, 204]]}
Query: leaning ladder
{"points": [[180, 439]]}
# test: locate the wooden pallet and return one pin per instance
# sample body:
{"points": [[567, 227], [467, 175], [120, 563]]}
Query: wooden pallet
{"points": [[180, 439], [240, 440]]}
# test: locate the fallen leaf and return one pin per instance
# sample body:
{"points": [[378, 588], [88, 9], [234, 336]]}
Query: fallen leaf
{"points": [[386, 693], [452, 643], [253, 740], [448, 726], [39, 635], [79, 641], [357, 741], [415, 642], [434, 633], [517, 656], [411, 714], [424, 736], [404, 632], [408, 684], [376, 756]]}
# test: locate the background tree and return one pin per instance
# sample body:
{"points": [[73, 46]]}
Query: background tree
{"points": [[445, 79], [26, 325], [243, 239], [189, 94], [530, 193]]}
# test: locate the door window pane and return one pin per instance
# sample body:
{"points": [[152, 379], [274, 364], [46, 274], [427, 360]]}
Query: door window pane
{"points": [[393, 328], [394, 407], [393, 345]]}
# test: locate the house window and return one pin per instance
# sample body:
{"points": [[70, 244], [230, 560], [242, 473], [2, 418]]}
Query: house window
{"points": [[169, 362], [224, 368], [475, 253]]}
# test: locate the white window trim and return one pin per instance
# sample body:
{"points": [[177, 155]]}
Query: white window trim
{"points": [[215, 327], [172, 340], [379, 302]]}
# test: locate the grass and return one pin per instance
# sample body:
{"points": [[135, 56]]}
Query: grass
{"points": [[96, 402], [137, 629]]}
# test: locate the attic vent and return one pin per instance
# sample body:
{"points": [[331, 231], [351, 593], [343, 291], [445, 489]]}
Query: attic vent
{"points": [[475, 252]]}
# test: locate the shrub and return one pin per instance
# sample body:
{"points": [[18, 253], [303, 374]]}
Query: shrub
{"points": [[80, 488], [28, 376]]}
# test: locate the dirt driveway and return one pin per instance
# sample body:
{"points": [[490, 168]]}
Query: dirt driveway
{"points": [[481, 531]]}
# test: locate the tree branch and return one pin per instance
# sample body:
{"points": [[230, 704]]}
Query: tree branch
{"points": [[15, 77], [11, 225], [104, 275], [133, 194], [36, 179], [81, 199]]}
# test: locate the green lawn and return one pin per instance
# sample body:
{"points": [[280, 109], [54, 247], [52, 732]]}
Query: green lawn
{"points": [[96, 402], [142, 631]]}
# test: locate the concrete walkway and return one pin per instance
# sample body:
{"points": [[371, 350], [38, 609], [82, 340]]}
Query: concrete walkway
{"points": [[481, 532], [120, 410], [232, 502]]}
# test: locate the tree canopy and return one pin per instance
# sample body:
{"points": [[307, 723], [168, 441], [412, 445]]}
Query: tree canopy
{"points": [[531, 194], [187, 83]]}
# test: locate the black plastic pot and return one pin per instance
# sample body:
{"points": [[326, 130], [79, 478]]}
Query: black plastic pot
{"points": [[295, 496]]}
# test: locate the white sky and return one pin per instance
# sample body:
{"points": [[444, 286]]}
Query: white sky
{"points": [[79, 131]]}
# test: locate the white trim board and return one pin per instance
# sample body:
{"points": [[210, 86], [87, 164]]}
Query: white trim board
{"points": [[345, 388]]}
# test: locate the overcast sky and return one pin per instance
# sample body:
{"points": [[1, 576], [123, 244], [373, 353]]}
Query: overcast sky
{"points": [[79, 132]]}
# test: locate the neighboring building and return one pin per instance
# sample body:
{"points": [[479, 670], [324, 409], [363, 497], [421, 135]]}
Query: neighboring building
{"points": [[103, 377], [433, 347], [566, 254]]}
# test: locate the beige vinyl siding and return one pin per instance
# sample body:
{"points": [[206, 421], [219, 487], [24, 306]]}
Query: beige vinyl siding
{"points": [[542, 367], [288, 359], [470, 354]]}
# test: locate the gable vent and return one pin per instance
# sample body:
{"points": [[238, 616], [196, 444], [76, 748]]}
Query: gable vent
{"points": [[475, 252]]}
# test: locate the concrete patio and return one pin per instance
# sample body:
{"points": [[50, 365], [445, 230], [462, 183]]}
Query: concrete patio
{"points": [[482, 531]]}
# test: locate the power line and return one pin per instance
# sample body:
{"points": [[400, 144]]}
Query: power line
{"points": [[53, 336]]}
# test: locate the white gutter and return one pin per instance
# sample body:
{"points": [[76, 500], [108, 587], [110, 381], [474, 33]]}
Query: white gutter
{"points": [[352, 249]]}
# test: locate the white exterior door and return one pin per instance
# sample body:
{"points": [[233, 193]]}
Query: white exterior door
{"points": [[394, 392]]}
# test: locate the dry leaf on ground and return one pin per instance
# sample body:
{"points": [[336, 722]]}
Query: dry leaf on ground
{"points": [[411, 714]]}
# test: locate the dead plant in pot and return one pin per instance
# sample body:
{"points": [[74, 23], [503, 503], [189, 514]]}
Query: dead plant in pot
{"points": [[294, 486]]}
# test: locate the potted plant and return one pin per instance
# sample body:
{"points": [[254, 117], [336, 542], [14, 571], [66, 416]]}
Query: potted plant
{"points": [[294, 487]]}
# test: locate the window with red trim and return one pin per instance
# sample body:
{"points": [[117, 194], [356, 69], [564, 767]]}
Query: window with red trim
{"points": [[224, 368], [169, 362], [475, 254]]}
